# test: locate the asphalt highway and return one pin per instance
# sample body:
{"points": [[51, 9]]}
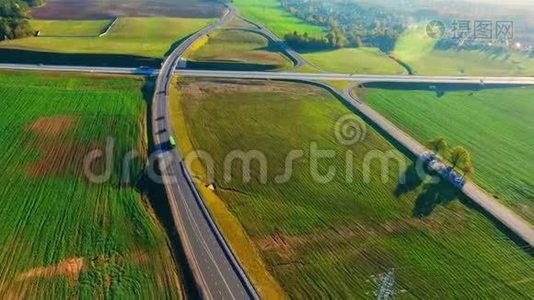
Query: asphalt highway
{"points": [[361, 78], [80, 69], [216, 271], [294, 55]]}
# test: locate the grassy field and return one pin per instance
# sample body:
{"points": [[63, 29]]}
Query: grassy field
{"points": [[354, 60], [63, 236], [70, 27], [418, 50], [272, 15], [146, 37], [366, 60], [239, 49], [235, 234], [452, 62], [240, 23], [335, 240], [495, 125], [414, 44]]}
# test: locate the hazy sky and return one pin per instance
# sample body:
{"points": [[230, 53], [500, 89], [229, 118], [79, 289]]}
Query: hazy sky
{"points": [[529, 3], [512, 2]]}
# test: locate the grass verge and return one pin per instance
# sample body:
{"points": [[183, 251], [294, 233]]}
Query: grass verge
{"points": [[237, 49], [341, 85], [354, 61]]}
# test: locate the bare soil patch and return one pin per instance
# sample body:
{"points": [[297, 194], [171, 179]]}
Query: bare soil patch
{"points": [[290, 244], [200, 88], [58, 154], [103, 9], [53, 127], [59, 159], [69, 267]]}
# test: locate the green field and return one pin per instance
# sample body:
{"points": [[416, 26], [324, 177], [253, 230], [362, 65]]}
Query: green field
{"points": [[474, 63], [349, 60], [146, 37], [240, 49], [418, 50], [334, 240], [495, 125], [414, 44], [70, 27], [63, 236], [240, 23], [272, 15], [354, 60]]}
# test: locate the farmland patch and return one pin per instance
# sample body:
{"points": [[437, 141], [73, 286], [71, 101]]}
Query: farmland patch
{"points": [[101, 9], [493, 124], [240, 48], [337, 239], [63, 234]]}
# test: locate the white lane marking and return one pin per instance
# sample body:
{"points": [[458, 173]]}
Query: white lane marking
{"points": [[200, 236], [205, 245]]}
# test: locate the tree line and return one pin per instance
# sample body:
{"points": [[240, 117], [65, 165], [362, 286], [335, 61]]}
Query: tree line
{"points": [[333, 40], [348, 25], [14, 18]]}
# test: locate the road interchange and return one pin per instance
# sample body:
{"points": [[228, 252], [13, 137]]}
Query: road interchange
{"points": [[215, 269]]}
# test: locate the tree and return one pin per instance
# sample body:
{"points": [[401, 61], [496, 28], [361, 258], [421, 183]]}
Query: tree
{"points": [[438, 145], [358, 41], [306, 42], [14, 15], [460, 157], [468, 169]]}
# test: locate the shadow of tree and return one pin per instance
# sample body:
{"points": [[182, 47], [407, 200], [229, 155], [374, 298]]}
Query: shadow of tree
{"points": [[79, 59], [441, 87], [412, 180], [230, 66], [433, 196]]}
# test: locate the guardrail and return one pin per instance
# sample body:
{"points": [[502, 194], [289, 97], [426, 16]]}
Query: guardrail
{"points": [[245, 280]]}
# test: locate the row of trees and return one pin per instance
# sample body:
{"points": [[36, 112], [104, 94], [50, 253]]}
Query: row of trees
{"points": [[353, 25], [14, 18], [334, 39], [349, 24], [459, 157]]}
